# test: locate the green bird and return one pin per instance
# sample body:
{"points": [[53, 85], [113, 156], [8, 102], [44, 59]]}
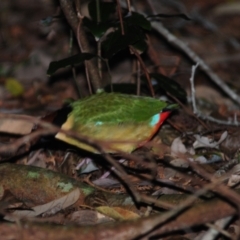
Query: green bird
{"points": [[123, 122]]}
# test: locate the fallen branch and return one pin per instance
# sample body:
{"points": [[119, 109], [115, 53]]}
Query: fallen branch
{"points": [[158, 26]]}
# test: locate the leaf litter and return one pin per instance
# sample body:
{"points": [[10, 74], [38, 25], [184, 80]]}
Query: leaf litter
{"points": [[164, 167]]}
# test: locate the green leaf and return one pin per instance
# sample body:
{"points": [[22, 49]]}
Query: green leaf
{"points": [[116, 42], [14, 87], [73, 60], [161, 15], [105, 9], [168, 85], [97, 29], [138, 20]]}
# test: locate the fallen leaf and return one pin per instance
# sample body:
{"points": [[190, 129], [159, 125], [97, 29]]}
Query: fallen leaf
{"points": [[48, 208]]}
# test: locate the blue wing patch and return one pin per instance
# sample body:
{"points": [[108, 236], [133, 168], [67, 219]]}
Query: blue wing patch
{"points": [[155, 119], [98, 123]]}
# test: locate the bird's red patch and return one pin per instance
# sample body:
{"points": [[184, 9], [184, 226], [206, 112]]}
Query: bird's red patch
{"points": [[162, 117]]}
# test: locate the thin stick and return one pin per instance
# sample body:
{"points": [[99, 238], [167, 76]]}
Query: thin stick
{"points": [[75, 83], [194, 68], [120, 16], [109, 73], [129, 6], [192, 55], [230, 122], [144, 69], [85, 62], [73, 18], [138, 78]]}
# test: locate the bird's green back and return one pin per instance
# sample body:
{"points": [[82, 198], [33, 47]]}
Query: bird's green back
{"points": [[114, 108]]}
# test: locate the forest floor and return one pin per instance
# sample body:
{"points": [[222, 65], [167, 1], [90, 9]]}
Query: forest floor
{"points": [[187, 172]]}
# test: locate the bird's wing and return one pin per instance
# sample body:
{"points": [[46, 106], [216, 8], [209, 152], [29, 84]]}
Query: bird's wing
{"points": [[115, 108]]}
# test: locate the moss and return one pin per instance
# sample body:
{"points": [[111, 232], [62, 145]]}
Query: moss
{"points": [[33, 175], [66, 187]]}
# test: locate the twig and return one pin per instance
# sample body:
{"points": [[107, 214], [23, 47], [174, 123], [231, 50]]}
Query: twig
{"points": [[182, 206], [120, 17], [144, 69], [217, 228], [194, 68], [219, 188], [192, 55], [129, 6], [85, 62], [73, 20], [109, 73], [138, 77], [99, 43], [188, 111], [76, 83], [198, 113], [78, 90], [98, 11]]}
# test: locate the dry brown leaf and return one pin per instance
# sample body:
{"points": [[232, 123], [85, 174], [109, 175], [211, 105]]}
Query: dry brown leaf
{"points": [[48, 208], [15, 126]]}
